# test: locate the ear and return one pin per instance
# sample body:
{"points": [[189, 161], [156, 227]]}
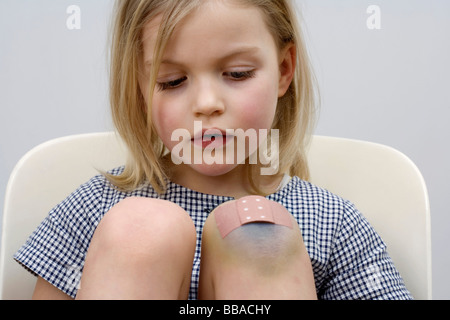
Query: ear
{"points": [[288, 63]]}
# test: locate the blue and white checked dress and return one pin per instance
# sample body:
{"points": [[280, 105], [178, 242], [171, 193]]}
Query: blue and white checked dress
{"points": [[349, 259]]}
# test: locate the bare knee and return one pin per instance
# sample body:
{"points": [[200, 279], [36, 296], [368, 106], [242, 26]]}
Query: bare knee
{"points": [[138, 226], [142, 249]]}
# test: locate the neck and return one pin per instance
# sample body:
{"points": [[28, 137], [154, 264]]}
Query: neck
{"points": [[232, 184]]}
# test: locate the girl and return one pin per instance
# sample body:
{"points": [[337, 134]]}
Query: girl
{"points": [[170, 225]]}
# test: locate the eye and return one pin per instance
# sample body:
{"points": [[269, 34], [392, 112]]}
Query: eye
{"points": [[240, 75], [171, 84]]}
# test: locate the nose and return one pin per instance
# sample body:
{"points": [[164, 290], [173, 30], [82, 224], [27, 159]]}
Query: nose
{"points": [[208, 99]]}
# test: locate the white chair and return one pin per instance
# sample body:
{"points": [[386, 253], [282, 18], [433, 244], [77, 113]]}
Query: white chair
{"points": [[383, 183]]}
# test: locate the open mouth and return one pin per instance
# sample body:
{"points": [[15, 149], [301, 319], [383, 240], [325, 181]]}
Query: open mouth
{"points": [[216, 139]]}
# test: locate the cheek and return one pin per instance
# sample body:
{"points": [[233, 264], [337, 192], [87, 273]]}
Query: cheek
{"points": [[260, 104], [165, 121]]}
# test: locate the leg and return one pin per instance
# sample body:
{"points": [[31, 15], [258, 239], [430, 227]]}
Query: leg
{"points": [[257, 260], [142, 249]]}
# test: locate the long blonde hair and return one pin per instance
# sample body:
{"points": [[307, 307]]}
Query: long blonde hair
{"points": [[295, 114]]}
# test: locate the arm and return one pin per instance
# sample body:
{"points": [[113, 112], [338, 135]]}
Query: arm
{"points": [[60, 242], [359, 266], [45, 291]]}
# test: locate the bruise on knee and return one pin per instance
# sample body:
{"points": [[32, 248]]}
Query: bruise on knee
{"points": [[266, 247], [255, 232], [250, 253]]}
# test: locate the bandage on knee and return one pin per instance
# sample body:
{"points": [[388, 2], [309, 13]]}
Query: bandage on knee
{"points": [[231, 215]]}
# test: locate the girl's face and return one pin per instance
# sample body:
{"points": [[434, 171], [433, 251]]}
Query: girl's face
{"points": [[222, 68]]}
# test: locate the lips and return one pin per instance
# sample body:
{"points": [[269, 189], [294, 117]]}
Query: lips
{"points": [[212, 138]]}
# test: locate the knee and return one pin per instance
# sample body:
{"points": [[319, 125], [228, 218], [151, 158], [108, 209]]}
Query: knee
{"points": [[263, 244], [142, 226]]}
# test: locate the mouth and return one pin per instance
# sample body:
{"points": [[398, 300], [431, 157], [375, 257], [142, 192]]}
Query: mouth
{"points": [[212, 138]]}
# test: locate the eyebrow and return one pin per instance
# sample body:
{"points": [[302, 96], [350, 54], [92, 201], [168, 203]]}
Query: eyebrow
{"points": [[230, 55]]}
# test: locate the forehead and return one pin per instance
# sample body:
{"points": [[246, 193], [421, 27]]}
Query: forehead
{"points": [[212, 25]]}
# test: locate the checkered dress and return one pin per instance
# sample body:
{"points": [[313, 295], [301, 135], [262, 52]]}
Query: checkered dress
{"points": [[349, 259]]}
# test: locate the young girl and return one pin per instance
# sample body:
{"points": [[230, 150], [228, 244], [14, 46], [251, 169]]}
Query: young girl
{"points": [[169, 225]]}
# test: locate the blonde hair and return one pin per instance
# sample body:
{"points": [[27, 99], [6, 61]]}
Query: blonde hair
{"points": [[295, 110]]}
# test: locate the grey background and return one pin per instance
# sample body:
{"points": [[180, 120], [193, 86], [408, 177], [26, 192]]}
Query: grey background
{"points": [[389, 86]]}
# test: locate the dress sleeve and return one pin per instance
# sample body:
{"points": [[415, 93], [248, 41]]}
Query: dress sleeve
{"points": [[56, 250], [359, 266]]}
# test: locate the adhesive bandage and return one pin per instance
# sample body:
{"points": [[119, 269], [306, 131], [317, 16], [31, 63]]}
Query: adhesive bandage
{"points": [[233, 214]]}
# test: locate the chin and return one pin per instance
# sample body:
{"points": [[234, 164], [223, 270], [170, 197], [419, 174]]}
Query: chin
{"points": [[214, 170]]}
